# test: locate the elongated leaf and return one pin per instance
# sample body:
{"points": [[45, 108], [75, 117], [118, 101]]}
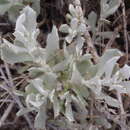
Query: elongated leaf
{"points": [[38, 84], [80, 42], [23, 111], [56, 105], [111, 101], [68, 109], [19, 23], [108, 7], [38, 71], [40, 120], [110, 66], [30, 16], [72, 10], [110, 53], [16, 49], [114, 5], [52, 42], [10, 56], [92, 19], [119, 88], [76, 76]]}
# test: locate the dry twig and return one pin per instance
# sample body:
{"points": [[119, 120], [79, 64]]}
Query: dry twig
{"points": [[125, 27], [9, 87], [6, 113]]}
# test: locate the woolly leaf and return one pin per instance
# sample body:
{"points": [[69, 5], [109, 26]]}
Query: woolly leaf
{"points": [[108, 7], [52, 42], [23, 111], [30, 19], [56, 105], [40, 119], [64, 28], [76, 76], [68, 108], [11, 55], [72, 10], [38, 84], [125, 71], [92, 19]]}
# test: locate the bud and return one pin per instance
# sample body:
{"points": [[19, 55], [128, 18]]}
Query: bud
{"points": [[79, 11], [77, 3], [72, 10]]}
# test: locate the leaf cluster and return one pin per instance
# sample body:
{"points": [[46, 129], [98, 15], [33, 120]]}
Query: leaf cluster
{"points": [[63, 79]]}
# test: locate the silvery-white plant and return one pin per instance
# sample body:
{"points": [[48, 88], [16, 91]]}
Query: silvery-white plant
{"points": [[12, 7], [60, 78]]}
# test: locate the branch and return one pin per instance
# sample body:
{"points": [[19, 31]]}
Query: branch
{"points": [[6, 113], [125, 28], [91, 46]]}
